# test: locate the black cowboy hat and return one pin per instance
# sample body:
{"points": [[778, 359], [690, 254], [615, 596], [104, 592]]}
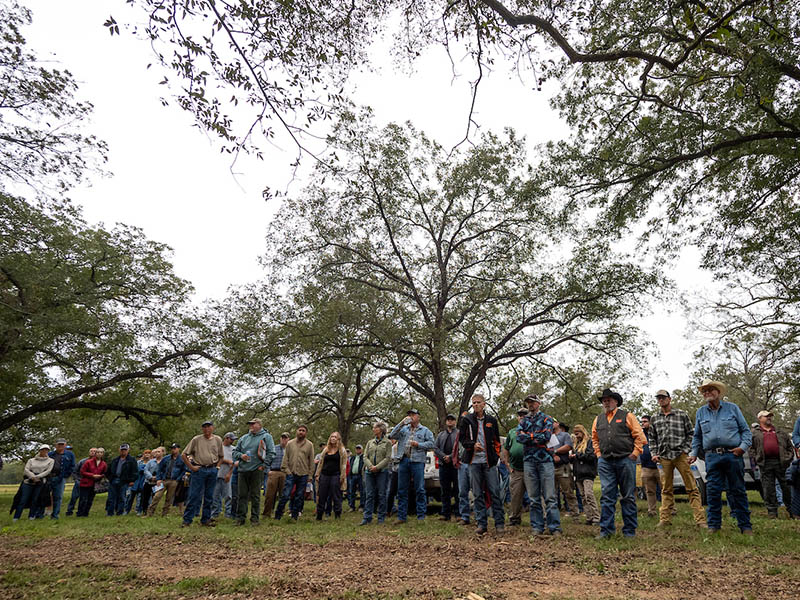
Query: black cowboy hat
{"points": [[607, 393]]}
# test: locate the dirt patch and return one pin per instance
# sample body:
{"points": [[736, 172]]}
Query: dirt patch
{"points": [[511, 567]]}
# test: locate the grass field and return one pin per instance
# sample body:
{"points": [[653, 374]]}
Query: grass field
{"points": [[133, 558]]}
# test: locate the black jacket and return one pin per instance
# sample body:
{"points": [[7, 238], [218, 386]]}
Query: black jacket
{"points": [[468, 435], [585, 463], [130, 470]]}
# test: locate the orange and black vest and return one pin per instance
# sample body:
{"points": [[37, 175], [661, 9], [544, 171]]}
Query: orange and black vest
{"points": [[615, 438]]}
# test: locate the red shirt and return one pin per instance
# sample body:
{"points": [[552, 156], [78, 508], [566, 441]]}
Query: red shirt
{"points": [[771, 448], [89, 468]]}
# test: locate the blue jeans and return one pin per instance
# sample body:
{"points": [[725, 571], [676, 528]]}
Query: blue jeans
{"points": [[58, 495], [463, 491], [29, 493], [484, 476], [201, 491], [116, 497], [617, 479], [222, 495], [296, 507], [794, 505], [726, 471], [405, 471], [355, 483], [73, 499], [540, 483], [375, 485]]}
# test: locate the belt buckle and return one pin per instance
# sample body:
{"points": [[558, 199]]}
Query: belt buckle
{"points": [[720, 450]]}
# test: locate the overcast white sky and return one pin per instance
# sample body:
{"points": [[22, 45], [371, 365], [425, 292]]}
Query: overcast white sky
{"points": [[170, 179]]}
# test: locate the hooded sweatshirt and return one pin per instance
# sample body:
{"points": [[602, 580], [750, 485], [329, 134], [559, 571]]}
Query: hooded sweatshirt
{"points": [[38, 467], [259, 448]]}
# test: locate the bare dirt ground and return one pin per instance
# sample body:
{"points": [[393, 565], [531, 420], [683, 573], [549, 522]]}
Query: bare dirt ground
{"points": [[509, 567]]}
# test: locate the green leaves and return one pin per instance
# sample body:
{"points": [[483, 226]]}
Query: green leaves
{"points": [[438, 268], [111, 24], [42, 131], [83, 311]]}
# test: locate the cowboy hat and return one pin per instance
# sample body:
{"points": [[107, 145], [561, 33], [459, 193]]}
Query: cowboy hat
{"points": [[708, 383], [607, 393]]}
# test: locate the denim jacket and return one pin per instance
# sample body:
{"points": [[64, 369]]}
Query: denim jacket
{"points": [[721, 428], [796, 433], [67, 465], [151, 470], [422, 435], [178, 469]]}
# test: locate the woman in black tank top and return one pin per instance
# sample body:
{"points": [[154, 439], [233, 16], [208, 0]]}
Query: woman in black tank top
{"points": [[330, 474]]}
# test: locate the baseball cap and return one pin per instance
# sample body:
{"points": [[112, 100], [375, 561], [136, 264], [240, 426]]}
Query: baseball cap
{"points": [[412, 411], [663, 393], [533, 398], [207, 423], [175, 445], [254, 421], [451, 416], [764, 413], [60, 441], [124, 446], [231, 435], [359, 447]]}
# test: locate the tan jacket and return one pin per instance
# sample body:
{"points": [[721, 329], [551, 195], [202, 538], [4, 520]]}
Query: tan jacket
{"points": [[342, 466], [298, 459]]}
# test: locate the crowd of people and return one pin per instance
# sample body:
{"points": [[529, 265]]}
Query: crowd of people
{"points": [[480, 474]]}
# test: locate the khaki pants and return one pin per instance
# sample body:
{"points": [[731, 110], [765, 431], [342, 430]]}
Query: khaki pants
{"points": [[517, 483], [563, 475], [650, 480], [668, 493], [275, 483], [169, 488], [590, 508]]}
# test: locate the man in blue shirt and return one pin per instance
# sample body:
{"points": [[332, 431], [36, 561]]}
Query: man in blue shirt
{"points": [[721, 435], [63, 465], [413, 442]]}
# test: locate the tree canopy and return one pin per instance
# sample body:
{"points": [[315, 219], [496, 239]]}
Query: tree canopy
{"points": [[87, 316], [684, 113], [443, 267], [44, 146]]}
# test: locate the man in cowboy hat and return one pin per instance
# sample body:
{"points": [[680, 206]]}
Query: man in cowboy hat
{"points": [[773, 452], [722, 436], [618, 440]]}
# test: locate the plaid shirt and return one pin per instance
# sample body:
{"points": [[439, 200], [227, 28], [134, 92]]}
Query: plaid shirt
{"points": [[534, 433], [671, 435]]}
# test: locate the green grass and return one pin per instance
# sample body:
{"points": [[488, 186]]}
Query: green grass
{"points": [[655, 557]]}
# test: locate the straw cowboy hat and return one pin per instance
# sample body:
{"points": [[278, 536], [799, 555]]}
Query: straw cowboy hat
{"points": [[708, 383]]}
